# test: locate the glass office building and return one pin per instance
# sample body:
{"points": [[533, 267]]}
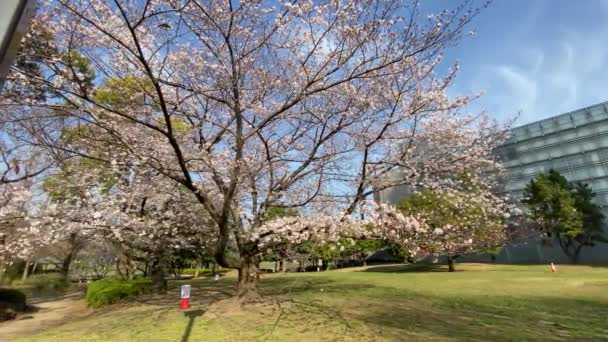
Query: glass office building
{"points": [[573, 143], [576, 145]]}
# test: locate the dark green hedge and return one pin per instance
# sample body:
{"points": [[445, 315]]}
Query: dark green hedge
{"points": [[13, 299], [40, 285], [107, 291]]}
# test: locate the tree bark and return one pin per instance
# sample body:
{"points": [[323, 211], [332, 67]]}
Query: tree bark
{"points": [[281, 266], [571, 253], [247, 290], [65, 265], [118, 270], [2, 270], [451, 263], [157, 273], [26, 270], [35, 266], [576, 254], [196, 270], [128, 267], [73, 247]]}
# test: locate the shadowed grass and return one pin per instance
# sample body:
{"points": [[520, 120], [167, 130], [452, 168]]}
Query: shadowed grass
{"points": [[384, 303]]}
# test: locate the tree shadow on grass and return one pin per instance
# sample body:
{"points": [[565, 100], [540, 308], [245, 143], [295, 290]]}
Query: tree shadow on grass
{"points": [[401, 314], [407, 268], [191, 315], [278, 287], [465, 267], [501, 318], [365, 310]]}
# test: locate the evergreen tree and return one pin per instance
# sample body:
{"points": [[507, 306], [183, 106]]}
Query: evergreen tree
{"points": [[565, 211]]}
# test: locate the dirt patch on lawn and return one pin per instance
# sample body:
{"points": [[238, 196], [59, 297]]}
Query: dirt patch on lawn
{"points": [[48, 314], [265, 306]]}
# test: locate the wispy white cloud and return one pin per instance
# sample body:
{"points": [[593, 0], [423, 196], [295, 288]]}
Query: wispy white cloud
{"points": [[542, 79]]}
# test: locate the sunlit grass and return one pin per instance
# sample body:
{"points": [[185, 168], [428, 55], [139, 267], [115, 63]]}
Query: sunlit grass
{"points": [[480, 302]]}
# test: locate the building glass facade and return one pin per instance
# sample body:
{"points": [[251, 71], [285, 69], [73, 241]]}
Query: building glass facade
{"points": [[573, 143], [576, 145]]}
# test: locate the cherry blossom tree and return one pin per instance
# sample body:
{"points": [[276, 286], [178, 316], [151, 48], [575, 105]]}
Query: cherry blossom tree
{"points": [[91, 201], [256, 104], [468, 218], [13, 199]]}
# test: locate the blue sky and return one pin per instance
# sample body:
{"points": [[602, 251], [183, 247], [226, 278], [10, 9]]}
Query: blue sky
{"points": [[538, 58]]}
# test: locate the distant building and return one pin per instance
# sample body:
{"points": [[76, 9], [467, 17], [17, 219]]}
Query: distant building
{"points": [[576, 145], [573, 143]]}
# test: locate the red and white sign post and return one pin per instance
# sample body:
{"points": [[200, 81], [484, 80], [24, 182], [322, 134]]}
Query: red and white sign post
{"points": [[185, 294]]}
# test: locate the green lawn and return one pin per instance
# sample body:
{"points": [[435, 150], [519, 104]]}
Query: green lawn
{"points": [[480, 302]]}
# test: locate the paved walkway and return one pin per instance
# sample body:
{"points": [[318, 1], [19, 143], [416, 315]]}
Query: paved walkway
{"points": [[49, 313]]}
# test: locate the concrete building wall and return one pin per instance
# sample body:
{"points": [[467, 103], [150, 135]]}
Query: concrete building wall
{"points": [[573, 143]]}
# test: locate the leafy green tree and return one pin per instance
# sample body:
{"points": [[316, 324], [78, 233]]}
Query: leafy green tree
{"points": [[79, 68], [493, 252], [63, 185], [32, 52], [119, 92], [275, 212], [565, 211]]}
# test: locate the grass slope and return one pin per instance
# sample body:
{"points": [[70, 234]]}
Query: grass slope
{"points": [[386, 303]]}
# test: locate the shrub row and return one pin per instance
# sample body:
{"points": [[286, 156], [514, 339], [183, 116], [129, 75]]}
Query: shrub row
{"points": [[107, 291], [11, 302], [40, 285], [12, 298]]}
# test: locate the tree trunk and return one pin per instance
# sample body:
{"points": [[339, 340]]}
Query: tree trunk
{"points": [[26, 270], [118, 270], [493, 258], [281, 265], [197, 266], [2, 270], [157, 273], [247, 290], [575, 255], [276, 266], [73, 248], [571, 253], [451, 262], [574, 258], [65, 265], [35, 266]]}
